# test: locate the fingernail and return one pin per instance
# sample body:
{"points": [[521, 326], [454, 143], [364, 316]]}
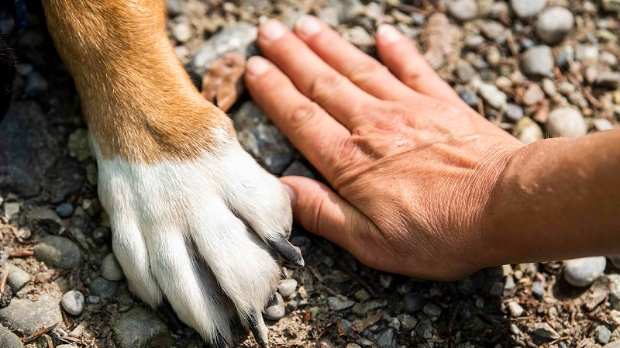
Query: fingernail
{"points": [[257, 65], [308, 26], [291, 194], [272, 29], [388, 33]]}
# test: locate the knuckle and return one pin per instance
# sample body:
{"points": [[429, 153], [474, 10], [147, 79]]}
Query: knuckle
{"points": [[304, 114], [323, 86], [365, 71]]}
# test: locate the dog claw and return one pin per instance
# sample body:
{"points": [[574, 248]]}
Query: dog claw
{"points": [[290, 252], [258, 328]]}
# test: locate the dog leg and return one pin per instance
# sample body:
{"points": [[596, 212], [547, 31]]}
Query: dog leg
{"points": [[194, 217]]}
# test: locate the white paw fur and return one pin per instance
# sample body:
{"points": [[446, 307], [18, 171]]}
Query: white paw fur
{"points": [[195, 232]]}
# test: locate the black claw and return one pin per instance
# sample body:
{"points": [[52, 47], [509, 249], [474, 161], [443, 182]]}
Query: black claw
{"points": [[255, 331], [220, 342], [290, 252], [168, 313]]}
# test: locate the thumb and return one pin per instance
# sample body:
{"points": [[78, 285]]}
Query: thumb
{"points": [[323, 212]]}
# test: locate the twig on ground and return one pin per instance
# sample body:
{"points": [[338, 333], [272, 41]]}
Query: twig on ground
{"points": [[38, 333]]}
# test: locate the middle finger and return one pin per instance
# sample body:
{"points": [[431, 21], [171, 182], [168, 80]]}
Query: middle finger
{"points": [[313, 77]]}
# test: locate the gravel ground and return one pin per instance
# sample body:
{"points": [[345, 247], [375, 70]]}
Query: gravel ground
{"points": [[535, 68]]}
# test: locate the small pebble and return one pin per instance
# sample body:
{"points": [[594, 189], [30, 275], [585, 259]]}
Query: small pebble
{"points": [[493, 30], [515, 309], [514, 112], [553, 25], [64, 210], [537, 61], [73, 302], [549, 87], [566, 122], [362, 295], [538, 289], [386, 280], [93, 299], [587, 54], [182, 31], [492, 95], [102, 287], [353, 345], [602, 334], [527, 8], [533, 95], [11, 210], [527, 131], [111, 269], [413, 302], [464, 71], [463, 10], [584, 271], [18, 278], [407, 321], [386, 338], [602, 124], [432, 310], [339, 302], [59, 252], [287, 287], [469, 97], [275, 309], [514, 329], [509, 286]]}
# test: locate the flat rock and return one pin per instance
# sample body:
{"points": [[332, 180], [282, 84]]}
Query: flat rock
{"points": [[31, 316], [262, 139], [102, 287], [45, 216], [614, 290], [17, 277], [339, 302], [8, 339], [140, 328], [545, 331], [584, 271], [58, 252]]}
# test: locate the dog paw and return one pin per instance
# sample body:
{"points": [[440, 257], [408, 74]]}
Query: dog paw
{"points": [[203, 234]]}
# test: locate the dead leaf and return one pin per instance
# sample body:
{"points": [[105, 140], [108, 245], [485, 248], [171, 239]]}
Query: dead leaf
{"points": [[360, 325], [222, 85]]}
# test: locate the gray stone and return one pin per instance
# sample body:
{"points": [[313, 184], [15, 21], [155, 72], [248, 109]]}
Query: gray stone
{"points": [[492, 95], [103, 287], [533, 95], [45, 216], [565, 54], [58, 252], [31, 316], [287, 287], [537, 61], [566, 122], [110, 268], [509, 286], [18, 278], [463, 10], [469, 97], [93, 299], [553, 25], [262, 139], [64, 210], [527, 8], [8, 339], [275, 308], [359, 37], [584, 271], [608, 58], [236, 39], [538, 289], [602, 124], [432, 310], [407, 321], [425, 329], [73, 302], [545, 331], [413, 302], [514, 112], [339, 302], [464, 71], [140, 328], [474, 41], [602, 334], [608, 79], [386, 338], [493, 30], [298, 169]]}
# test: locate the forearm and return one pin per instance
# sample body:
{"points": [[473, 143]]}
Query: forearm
{"points": [[557, 199]]}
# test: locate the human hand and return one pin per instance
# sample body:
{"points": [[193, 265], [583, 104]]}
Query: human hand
{"points": [[411, 165]]}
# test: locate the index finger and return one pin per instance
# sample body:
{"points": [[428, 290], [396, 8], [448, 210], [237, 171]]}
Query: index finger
{"points": [[315, 133]]}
